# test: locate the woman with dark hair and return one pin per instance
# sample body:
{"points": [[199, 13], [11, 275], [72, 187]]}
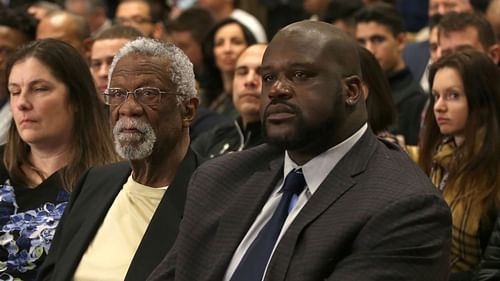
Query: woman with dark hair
{"points": [[460, 149], [379, 103], [223, 45], [58, 131]]}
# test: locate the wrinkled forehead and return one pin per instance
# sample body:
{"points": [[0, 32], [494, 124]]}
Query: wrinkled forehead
{"points": [[141, 66]]}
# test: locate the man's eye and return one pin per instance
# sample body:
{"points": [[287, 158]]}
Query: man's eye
{"points": [[149, 92], [268, 78], [299, 74], [377, 39]]}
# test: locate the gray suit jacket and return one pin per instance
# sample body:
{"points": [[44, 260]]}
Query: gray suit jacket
{"points": [[375, 217]]}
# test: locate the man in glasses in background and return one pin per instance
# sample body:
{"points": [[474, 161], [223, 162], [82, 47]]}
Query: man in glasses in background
{"points": [[140, 15], [123, 218]]}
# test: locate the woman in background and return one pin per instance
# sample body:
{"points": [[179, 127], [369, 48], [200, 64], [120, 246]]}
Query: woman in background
{"points": [[59, 130], [223, 45], [460, 150]]}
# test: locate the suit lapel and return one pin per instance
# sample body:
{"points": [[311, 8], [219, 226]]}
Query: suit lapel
{"points": [[162, 230], [238, 218], [338, 182], [104, 190]]}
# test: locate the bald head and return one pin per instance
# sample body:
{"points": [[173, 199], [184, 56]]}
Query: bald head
{"points": [[321, 36], [65, 26]]}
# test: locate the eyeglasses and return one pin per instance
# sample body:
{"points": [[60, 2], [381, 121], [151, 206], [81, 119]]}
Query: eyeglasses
{"points": [[144, 95]]}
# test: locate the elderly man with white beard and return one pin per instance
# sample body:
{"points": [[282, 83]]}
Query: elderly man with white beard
{"points": [[123, 218]]}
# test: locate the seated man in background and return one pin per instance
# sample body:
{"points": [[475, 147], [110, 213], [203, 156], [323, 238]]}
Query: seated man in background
{"points": [[324, 199], [104, 47], [457, 30], [123, 218], [68, 27], [380, 29], [245, 131]]}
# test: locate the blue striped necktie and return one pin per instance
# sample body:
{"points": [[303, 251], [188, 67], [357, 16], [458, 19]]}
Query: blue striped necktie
{"points": [[253, 263]]}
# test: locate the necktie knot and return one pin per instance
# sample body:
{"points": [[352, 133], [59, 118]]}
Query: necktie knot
{"points": [[294, 182]]}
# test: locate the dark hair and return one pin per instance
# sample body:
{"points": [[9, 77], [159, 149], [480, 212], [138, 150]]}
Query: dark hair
{"points": [[19, 20], [379, 103], [454, 21], [384, 14], [197, 21], [214, 85], [118, 31], [92, 143], [434, 20], [342, 10], [476, 160]]}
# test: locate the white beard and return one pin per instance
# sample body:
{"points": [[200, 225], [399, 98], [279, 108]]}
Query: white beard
{"points": [[123, 140]]}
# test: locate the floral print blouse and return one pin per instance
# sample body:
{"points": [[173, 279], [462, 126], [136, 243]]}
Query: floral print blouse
{"points": [[28, 220]]}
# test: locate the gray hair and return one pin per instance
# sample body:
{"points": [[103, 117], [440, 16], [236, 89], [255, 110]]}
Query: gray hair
{"points": [[180, 67]]}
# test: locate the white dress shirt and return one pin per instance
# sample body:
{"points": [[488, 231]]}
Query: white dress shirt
{"points": [[315, 171]]}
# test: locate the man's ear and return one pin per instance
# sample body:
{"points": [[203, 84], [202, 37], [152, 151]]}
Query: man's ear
{"points": [[189, 109], [494, 53], [354, 90], [401, 38]]}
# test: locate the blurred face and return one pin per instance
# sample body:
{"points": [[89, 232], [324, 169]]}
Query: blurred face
{"points": [[315, 6], [380, 41], [139, 129], [450, 102], [229, 43], [10, 39], [185, 41], [101, 56], [39, 104], [451, 41], [61, 28], [302, 92], [434, 49], [247, 83], [137, 15], [444, 6]]}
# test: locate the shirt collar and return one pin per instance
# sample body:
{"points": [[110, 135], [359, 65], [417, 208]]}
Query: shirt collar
{"points": [[317, 169]]}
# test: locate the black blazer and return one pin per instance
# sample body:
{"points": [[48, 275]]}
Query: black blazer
{"points": [[88, 206], [376, 216]]}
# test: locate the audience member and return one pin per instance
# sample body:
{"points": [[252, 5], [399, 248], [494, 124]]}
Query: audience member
{"points": [[225, 42], [367, 212], [136, 206], [315, 8], [418, 56], [40, 9], [245, 131], [280, 13], [460, 150], [341, 13], [16, 28], [57, 134], [140, 15], [104, 47], [493, 16], [188, 32], [445, 6], [377, 94], [94, 11], [68, 27], [457, 30], [379, 28], [223, 9]]}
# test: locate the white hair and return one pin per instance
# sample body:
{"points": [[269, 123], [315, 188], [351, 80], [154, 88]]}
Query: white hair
{"points": [[180, 68]]}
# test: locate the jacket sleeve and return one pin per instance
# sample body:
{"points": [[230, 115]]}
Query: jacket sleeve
{"points": [[489, 268]]}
